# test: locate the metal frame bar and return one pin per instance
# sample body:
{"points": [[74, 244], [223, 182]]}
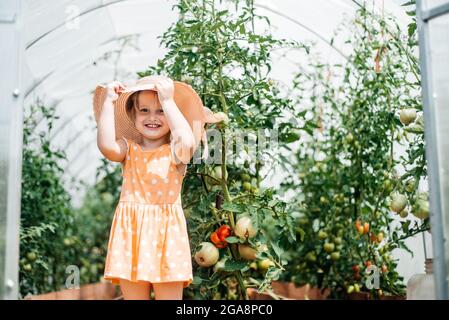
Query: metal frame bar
{"points": [[11, 132], [431, 139], [430, 14]]}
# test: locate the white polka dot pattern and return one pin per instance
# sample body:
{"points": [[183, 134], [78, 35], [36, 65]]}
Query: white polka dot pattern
{"points": [[148, 237]]}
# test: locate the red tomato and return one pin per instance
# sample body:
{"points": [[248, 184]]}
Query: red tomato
{"points": [[223, 232], [356, 268], [216, 240]]}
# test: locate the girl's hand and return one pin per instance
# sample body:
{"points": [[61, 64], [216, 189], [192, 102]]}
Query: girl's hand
{"points": [[165, 89], [113, 89]]}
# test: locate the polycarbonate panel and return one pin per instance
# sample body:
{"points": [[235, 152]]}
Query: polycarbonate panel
{"points": [[439, 71], [64, 58], [431, 4]]}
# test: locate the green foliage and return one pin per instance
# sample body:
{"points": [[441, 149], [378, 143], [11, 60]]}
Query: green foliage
{"points": [[94, 219], [215, 48], [47, 218], [53, 234], [348, 169]]}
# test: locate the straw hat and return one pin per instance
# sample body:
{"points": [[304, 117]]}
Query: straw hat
{"points": [[185, 97]]}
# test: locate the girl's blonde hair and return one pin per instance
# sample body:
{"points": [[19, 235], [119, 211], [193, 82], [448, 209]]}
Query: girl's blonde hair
{"points": [[133, 103]]}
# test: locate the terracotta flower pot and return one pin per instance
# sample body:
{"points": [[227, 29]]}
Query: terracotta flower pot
{"points": [[94, 291], [367, 296], [288, 291]]}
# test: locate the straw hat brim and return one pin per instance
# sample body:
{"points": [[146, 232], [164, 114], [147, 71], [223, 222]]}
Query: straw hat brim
{"points": [[185, 97]]}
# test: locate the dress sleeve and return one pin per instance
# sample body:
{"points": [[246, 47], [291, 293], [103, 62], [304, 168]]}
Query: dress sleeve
{"points": [[173, 159], [127, 150]]}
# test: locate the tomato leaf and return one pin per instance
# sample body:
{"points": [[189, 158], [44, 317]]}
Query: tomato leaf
{"points": [[234, 265], [233, 239]]}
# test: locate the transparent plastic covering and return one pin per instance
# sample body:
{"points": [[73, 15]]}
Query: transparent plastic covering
{"points": [[73, 45], [437, 73]]}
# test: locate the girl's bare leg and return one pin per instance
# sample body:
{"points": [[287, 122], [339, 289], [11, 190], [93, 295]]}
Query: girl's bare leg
{"points": [[168, 290], [135, 290]]}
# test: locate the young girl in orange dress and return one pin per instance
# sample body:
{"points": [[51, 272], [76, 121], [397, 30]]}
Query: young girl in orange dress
{"points": [[149, 128]]}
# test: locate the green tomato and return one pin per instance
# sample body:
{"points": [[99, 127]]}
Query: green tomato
{"points": [[421, 209], [247, 186], [410, 185], [403, 213], [415, 128], [245, 177], [215, 176], [263, 265], [398, 202], [28, 267], [254, 190], [253, 265], [31, 256], [322, 235], [107, 197], [388, 185], [407, 116], [311, 256], [349, 138], [335, 255], [329, 247], [338, 240]]}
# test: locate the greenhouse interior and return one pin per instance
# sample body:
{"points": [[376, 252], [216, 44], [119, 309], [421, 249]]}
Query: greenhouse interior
{"points": [[326, 175]]}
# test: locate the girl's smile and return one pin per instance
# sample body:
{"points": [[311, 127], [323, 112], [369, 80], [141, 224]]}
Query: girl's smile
{"points": [[150, 119]]}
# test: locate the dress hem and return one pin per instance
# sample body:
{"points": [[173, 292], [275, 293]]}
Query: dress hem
{"points": [[116, 280]]}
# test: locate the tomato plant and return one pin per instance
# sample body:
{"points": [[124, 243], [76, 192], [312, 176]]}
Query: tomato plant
{"points": [[53, 234], [46, 214], [215, 47], [360, 171]]}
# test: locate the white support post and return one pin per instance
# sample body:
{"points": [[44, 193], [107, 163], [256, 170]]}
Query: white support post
{"points": [[11, 133]]}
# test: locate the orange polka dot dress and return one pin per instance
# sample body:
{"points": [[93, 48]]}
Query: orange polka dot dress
{"points": [[148, 239]]}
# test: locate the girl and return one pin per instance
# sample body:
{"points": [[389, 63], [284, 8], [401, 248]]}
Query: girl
{"points": [[144, 129]]}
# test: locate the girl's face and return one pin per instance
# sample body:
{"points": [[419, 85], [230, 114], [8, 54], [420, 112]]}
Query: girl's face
{"points": [[150, 119]]}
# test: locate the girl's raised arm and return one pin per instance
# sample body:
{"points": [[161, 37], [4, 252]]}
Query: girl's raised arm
{"points": [[184, 140], [112, 149]]}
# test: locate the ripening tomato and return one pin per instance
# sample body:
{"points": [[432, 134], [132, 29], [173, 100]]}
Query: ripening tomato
{"points": [[356, 268], [367, 263], [358, 224], [218, 237], [207, 255], [361, 230], [223, 232], [380, 237], [216, 240], [366, 227]]}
